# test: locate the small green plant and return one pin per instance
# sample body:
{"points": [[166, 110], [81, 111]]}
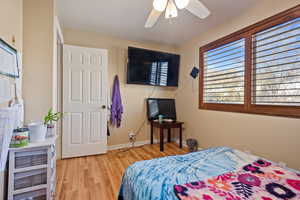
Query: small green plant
{"points": [[51, 117]]}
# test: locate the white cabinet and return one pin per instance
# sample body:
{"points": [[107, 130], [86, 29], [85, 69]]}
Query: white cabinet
{"points": [[32, 171]]}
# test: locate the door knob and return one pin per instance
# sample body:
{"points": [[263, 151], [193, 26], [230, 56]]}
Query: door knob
{"points": [[103, 106]]}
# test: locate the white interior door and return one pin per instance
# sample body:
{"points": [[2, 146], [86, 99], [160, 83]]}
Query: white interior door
{"points": [[84, 101]]}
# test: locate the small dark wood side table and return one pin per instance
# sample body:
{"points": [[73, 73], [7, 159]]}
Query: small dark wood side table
{"points": [[162, 127]]}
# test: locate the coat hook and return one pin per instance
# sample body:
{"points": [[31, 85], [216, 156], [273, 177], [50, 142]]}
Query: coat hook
{"points": [[13, 40]]}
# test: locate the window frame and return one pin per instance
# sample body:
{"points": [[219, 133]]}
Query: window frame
{"points": [[247, 33]]}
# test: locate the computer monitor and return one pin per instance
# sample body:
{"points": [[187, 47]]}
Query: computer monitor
{"points": [[158, 106]]}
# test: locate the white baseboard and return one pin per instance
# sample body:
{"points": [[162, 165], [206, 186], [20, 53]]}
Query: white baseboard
{"points": [[139, 143]]}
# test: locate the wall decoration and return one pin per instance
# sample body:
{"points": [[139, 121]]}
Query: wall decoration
{"points": [[8, 60]]}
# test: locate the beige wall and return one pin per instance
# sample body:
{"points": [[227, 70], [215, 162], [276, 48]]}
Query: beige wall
{"points": [[11, 16], [38, 57], [11, 22], [133, 95], [275, 138], [11, 27], [40, 69]]}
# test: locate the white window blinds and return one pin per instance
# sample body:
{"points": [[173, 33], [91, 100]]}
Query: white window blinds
{"points": [[224, 69], [276, 64]]}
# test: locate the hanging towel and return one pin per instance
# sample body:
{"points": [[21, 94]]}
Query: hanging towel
{"points": [[116, 105]]}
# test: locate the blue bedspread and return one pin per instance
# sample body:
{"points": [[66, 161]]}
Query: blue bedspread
{"points": [[154, 179]]}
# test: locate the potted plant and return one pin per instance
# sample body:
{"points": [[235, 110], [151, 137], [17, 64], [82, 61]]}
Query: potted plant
{"points": [[50, 119]]}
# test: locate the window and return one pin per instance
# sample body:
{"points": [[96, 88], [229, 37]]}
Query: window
{"points": [[276, 75], [224, 69], [255, 70]]}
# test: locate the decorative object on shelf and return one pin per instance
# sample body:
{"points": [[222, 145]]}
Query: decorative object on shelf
{"points": [[50, 119], [192, 145], [37, 131], [9, 63], [19, 138]]}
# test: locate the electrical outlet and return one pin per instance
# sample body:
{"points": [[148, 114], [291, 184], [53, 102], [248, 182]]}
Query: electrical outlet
{"points": [[131, 135], [132, 138]]}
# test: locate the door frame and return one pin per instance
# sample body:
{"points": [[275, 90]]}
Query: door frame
{"points": [[58, 81]]}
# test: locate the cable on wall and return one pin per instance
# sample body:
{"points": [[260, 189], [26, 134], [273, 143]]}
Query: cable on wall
{"points": [[132, 138]]}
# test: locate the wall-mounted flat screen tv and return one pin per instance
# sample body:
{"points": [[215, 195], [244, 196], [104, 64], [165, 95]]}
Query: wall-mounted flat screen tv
{"points": [[155, 68]]}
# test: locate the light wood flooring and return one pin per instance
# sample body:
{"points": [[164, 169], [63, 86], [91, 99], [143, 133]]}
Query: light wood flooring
{"points": [[99, 177]]}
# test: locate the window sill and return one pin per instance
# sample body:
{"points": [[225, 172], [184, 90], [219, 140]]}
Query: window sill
{"points": [[275, 111]]}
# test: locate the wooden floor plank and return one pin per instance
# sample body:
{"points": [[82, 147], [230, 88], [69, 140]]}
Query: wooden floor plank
{"points": [[99, 177]]}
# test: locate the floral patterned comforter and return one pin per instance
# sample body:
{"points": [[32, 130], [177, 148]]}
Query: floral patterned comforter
{"points": [[259, 180], [155, 179]]}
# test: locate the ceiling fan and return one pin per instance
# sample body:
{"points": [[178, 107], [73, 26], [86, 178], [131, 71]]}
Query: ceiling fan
{"points": [[170, 8]]}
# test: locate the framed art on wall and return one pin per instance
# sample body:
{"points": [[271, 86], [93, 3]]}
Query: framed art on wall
{"points": [[8, 60]]}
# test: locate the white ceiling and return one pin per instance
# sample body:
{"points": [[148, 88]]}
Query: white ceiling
{"points": [[126, 18]]}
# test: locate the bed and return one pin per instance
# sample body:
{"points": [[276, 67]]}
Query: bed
{"points": [[155, 179]]}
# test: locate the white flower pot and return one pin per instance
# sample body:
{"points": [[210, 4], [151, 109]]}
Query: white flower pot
{"points": [[37, 131]]}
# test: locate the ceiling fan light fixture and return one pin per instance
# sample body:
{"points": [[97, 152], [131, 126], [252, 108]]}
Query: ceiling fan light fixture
{"points": [[171, 7], [160, 5], [171, 10], [181, 4]]}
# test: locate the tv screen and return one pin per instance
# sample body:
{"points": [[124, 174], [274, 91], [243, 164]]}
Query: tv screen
{"points": [[165, 107], [148, 67]]}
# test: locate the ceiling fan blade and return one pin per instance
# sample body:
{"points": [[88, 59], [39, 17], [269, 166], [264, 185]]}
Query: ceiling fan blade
{"points": [[152, 19], [198, 8]]}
